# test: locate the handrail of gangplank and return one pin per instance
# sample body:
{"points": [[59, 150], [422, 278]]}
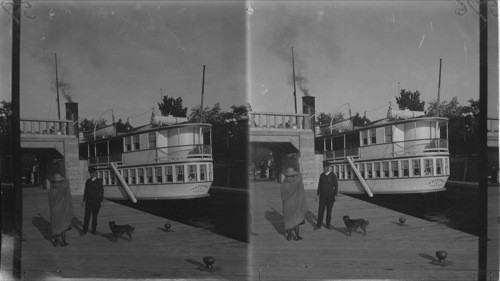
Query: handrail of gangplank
{"points": [[125, 185], [356, 171]]}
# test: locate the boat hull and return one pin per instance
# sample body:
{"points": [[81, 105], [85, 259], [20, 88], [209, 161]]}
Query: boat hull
{"points": [[394, 185], [186, 190]]}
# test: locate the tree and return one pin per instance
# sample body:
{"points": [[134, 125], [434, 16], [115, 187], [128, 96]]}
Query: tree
{"points": [[122, 127], [357, 120], [410, 100], [449, 109], [212, 115], [326, 118], [88, 124], [5, 117], [172, 106]]}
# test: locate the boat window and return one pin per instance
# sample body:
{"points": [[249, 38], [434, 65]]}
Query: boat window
{"points": [[342, 171], [348, 172], [377, 169], [361, 168], [140, 175], [373, 136], [128, 144], [328, 144], [385, 166], [439, 166], [91, 150], [210, 172], [319, 145], [125, 176], [203, 172], [443, 130], [105, 178], [112, 177], [179, 171], [405, 168], [102, 148], [152, 140], [115, 146], [132, 176], [395, 168], [158, 175], [369, 171], [446, 166], [192, 173], [149, 175], [364, 137], [428, 167], [169, 175], [338, 143], [352, 140], [137, 145], [416, 167], [388, 134]]}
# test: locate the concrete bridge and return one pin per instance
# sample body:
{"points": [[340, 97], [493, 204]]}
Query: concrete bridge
{"points": [[53, 144], [290, 137]]}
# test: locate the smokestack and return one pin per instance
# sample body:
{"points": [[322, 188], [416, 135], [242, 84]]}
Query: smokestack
{"points": [[309, 108], [72, 114]]}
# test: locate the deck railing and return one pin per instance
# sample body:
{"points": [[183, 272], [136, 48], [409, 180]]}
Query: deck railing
{"points": [[279, 120], [46, 126], [161, 154], [401, 148]]}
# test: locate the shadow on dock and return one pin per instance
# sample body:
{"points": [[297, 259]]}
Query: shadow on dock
{"points": [[457, 207], [224, 212]]}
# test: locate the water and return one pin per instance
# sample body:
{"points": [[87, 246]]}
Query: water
{"points": [[457, 208], [225, 212]]}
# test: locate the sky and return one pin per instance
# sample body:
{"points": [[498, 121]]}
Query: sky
{"points": [[357, 52], [124, 55]]}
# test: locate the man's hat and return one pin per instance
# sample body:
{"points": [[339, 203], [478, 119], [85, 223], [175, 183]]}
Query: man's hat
{"points": [[57, 177], [290, 172], [91, 170], [326, 164]]}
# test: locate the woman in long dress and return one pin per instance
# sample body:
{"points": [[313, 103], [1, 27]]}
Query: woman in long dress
{"points": [[294, 202], [61, 209]]}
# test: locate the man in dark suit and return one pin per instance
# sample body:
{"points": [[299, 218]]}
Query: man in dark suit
{"points": [[92, 198], [327, 190]]}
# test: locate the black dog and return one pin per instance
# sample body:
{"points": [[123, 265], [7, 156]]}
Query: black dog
{"points": [[119, 230], [354, 224]]}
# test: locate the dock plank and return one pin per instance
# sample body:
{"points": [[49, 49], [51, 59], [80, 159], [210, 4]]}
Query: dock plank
{"points": [[388, 251], [153, 253]]}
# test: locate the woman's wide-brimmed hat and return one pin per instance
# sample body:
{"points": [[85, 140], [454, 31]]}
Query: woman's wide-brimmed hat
{"points": [[290, 172], [57, 177]]}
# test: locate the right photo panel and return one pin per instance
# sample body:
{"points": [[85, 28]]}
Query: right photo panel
{"points": [[373, 137]]}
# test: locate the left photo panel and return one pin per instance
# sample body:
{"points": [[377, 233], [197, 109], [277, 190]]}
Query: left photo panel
{"points": [[124, 140]]}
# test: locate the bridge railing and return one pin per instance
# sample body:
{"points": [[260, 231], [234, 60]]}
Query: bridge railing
{"points": [[279, 120], [46, 126]]}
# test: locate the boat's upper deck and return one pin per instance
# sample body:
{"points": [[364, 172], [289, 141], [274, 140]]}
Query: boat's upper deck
{"points": [[387, 138], [149, 144]]}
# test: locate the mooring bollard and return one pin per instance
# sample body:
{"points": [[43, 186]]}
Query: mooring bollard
{"points": [[209, 261], [441, 255], [402, 220], [167, 226]]}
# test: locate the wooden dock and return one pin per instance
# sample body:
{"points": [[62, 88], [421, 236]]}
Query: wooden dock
{"points": [[388, 251], [153, 253]]}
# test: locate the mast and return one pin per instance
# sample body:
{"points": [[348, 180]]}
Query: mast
{"points": [[202, 90], [294, 90], [57, 90], [439, 89]]}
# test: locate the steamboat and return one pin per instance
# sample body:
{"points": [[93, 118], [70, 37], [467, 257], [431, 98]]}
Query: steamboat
{"points": [[169, 158], [407, 152]]}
